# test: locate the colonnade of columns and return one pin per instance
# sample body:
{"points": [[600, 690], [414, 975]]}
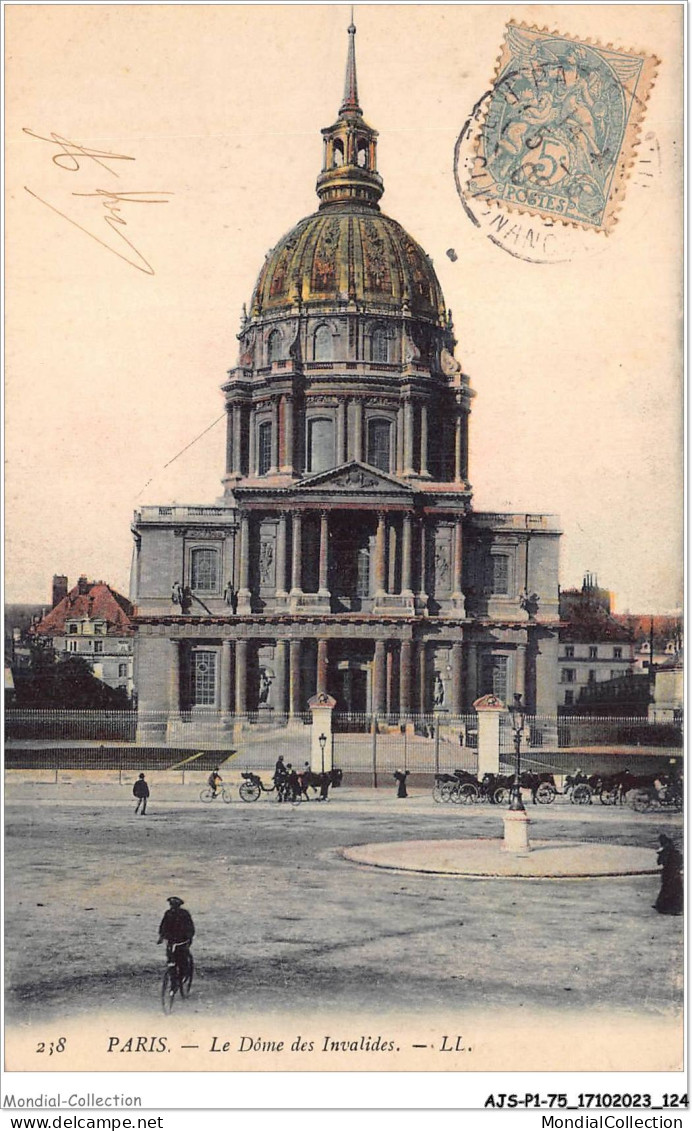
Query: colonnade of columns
{"points": [[400, 681], [399, 547], [409, 448]]}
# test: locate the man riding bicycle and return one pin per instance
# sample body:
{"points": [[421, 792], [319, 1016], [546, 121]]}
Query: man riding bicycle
{"points": [[178, 929], [214, 781]]}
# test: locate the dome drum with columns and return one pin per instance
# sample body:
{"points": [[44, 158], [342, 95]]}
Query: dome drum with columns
{"points": [[345, 555]]}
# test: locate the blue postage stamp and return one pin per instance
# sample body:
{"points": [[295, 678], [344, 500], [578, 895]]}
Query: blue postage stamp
{"points": [[561, 126]]}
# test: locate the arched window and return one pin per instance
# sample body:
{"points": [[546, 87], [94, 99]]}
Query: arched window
{"points": [[274, 346], [379, 432], [338, 153], [324, 344], [362, 153], [379, 346], [204, 570], [320, 444], [264, 446]]}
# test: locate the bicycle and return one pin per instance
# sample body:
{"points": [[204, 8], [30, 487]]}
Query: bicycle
{"points": [[209, 795], [177, 978]]}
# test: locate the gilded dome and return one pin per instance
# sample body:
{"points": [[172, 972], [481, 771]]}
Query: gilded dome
{"points": [[349, 252]]}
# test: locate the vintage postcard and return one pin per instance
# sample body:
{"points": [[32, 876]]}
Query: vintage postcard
{"points": [[343, 628]]}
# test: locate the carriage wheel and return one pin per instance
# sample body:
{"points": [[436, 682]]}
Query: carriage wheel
{"points": [[641, 801], [608, 796], [545, 794], [447, 791], [465, 794], [581, 795], [249, 791], [437, 791], [501, 795]]}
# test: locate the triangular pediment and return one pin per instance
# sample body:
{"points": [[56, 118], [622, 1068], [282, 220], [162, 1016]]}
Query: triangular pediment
{"points": [[354, 477]]}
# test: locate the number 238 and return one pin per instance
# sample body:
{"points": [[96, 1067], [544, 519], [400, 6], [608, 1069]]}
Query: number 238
{"points": [[52, 1046]]}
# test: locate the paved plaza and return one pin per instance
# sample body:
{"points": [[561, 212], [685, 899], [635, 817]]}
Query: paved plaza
{"points": [[286, 924]]}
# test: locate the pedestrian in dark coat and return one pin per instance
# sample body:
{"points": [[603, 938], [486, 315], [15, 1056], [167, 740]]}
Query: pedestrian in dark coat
{"points": [[670, 897], [401, 776], [141, 791]]}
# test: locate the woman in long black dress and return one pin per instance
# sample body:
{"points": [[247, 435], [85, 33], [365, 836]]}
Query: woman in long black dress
{"points": [[670, 897], [401, 776]]}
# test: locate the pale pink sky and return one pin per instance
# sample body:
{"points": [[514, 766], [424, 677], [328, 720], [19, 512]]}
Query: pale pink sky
{"points": [[111, 371]]}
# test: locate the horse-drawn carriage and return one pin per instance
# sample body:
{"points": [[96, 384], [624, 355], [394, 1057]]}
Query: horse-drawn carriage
{"points": [[462, 788], [252, 786]]}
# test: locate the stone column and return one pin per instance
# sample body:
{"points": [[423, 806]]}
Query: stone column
{"points": [[400, 425], [424, 439], [241, 677], [379, 678], [422, 678], [244, 587], [391, 571], [458, 445], [297, 562], [520, 672], [457, 678], [229, 440], [358, 429], [341, 414], [322, 666], [471, 675], [289, 455], [294, 677], [457, 586], [225, 676], [405, 677], [324, 555], [406, 572], [275, 435], [237, 439], [174, 679], [281, 556], [422, 594], [408, 437], [464, 444], [252, 443], [380, 576], [282, 676], [389, 694]]}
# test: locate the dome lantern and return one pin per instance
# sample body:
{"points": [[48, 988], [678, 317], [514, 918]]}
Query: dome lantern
{"points": [[349, 171]]}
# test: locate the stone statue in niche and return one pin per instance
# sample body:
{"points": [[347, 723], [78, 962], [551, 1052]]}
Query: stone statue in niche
{"points": [[438, 691], [266, 561], [266, 678], [529, 603], [442, 572]]}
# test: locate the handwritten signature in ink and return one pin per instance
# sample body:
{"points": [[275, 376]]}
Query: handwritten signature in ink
{"points": [[70, 157]]}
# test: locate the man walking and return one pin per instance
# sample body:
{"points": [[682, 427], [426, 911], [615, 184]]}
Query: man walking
{"points": [[141, 791]]}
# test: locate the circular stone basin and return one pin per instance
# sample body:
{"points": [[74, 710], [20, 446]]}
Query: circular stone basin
{"points": [[565, 859]]}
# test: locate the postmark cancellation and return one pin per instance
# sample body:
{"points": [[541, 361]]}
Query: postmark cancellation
{"points": [[560, 127]]}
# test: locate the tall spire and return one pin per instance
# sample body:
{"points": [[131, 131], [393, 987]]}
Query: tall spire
{"points": [[350, 101]]}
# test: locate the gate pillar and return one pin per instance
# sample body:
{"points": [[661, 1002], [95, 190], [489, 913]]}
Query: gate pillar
{"points": [[489, 709], [321, 752]]}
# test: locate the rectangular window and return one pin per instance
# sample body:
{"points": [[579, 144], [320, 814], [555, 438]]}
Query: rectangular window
{"points": [[99, 628], [264, 458], [569, 698], [569, 651], [203, 679], [122, 670], [98, 645], [592, 675], [617, 653], [71, 645], [72, 629], [569, 675], [593, 652], [494, 677], [204, 571], [500, 574]]}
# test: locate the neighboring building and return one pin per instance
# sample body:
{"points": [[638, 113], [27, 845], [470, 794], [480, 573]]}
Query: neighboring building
{"points": [[664, 632], [93, 622], [345, 555], [19, 620], [595, 649]]}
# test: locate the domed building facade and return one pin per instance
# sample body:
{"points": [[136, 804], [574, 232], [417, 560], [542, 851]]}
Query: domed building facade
{"points": [[345, 555]]}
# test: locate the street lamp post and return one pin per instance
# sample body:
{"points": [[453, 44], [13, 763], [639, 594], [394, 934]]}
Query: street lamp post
{"points": [[323, 742], [517, 714]]}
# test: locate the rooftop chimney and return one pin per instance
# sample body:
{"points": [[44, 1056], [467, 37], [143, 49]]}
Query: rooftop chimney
{"points": [[83, 586], [59, 588]]}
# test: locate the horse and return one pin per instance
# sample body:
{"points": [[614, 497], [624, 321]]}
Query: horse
{"points": [[322, 781]]}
